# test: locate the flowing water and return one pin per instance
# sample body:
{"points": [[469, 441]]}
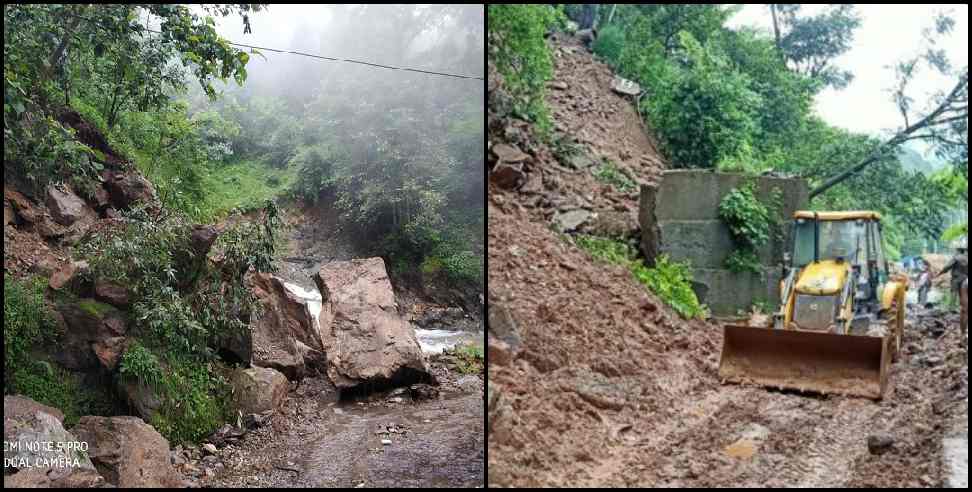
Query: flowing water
{"points": [[431, 341]]}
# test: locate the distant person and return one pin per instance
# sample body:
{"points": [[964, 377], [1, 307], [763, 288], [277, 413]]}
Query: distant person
{"points": [[924, 283], [959, 266]]}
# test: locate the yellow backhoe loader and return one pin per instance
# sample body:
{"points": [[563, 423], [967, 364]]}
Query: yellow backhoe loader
{"points": [[841, 317]]}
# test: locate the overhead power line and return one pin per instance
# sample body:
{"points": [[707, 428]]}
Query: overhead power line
{"points": [[311, 55], [471, 77]]}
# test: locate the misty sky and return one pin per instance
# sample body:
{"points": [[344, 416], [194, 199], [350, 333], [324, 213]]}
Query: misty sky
{"points": [[323, 30], [887, 34]]}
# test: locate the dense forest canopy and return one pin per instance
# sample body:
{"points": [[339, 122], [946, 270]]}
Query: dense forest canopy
{"points": [[399, 153], [742, 99]]}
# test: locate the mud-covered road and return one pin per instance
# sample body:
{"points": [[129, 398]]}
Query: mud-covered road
{"points": [[319, 442]]}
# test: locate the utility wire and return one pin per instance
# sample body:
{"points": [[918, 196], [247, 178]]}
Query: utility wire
{"points": [[311, 55]]}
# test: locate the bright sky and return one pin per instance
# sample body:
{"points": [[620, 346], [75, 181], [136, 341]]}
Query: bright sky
{"points": [[887, 34]]}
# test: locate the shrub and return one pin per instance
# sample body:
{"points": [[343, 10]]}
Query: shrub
{"points": [[26, 322], [751, 223], [609, 45], [518, 48], [27, 325], [706, 111], [670, 281]]}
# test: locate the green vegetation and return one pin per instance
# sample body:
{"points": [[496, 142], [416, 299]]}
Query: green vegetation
{"points": [[469, 359], [184, 303], [739, 100], [609, 174], [751, 224], [517, 47], [670, 281], [28, 325], [26, 321]]}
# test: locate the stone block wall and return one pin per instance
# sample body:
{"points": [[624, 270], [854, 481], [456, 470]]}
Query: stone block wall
{"points": [[680, 218]]}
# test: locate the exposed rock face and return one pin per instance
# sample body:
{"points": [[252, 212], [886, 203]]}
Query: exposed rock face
{"points": [[257, 390], [128, 452], [26, 421], [67, 274], [109, 351], [365, 339], [22, 206], [66, 207], [140, 397], [203, 237], [286, 321], [127, 189], [112, 293], [87, 323]]}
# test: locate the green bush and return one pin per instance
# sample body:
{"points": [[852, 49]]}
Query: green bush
{"points": [[518, 48], [609, 45], [748, 219], [705, 112], [27, 321], [751, 223], [28, 326], [670, 281]]}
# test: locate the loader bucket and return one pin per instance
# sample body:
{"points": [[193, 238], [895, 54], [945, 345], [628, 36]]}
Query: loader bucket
{"points": [[824, 363]]}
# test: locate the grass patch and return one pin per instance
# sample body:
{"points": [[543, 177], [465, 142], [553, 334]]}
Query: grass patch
{"points": [[470, 359], [243, 185], [94, 308], [670, 281]]}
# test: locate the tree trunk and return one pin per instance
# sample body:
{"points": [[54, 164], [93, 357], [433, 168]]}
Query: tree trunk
{"points": [[776, 29], [885, 148], [611, 15]]}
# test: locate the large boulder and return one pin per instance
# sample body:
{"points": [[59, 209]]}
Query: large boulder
{"points": [[65, 206], [365, 339], [128, 452], [258, 389], [29, 461], [286, 321], [129, 188]]}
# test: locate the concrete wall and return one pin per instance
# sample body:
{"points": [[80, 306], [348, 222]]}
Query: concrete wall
{"points": [[681, 219]]}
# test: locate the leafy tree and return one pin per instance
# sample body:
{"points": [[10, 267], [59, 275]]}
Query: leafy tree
{"points": [[706, 112], [944, 124], [809, 45]]}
